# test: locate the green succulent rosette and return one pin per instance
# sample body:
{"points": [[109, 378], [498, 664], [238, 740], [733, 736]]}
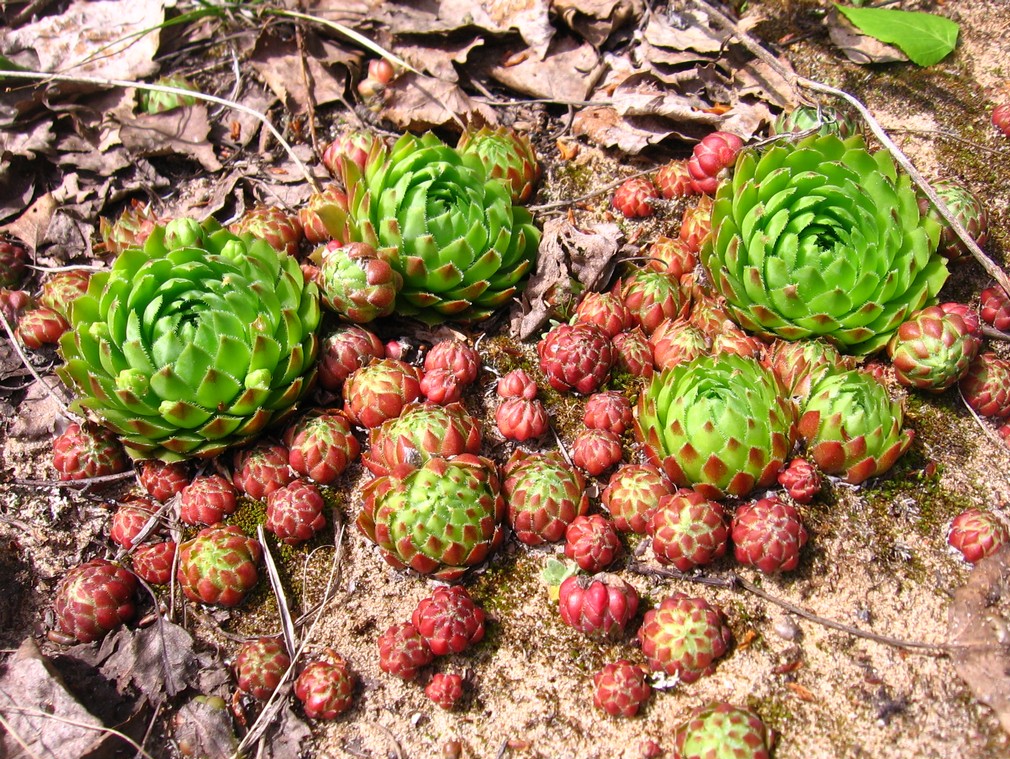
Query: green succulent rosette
{"points": [[721, 424], [822, 239], [852, 428], [439, 519], [506, 155], [193, 343], [825, 119], [461, 246]]}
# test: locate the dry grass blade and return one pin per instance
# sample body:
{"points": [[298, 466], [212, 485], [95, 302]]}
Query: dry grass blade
{"points": [[352, 35], [17, 737], [287, 627], [276, 701]]}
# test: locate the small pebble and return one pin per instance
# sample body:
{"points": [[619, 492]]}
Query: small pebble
{"points": [[786, 628]]}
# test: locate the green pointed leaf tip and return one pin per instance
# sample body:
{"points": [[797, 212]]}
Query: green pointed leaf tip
{"points": [[924, 37], [188, 338]]}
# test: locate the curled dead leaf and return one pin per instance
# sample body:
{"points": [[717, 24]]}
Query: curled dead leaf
{"points": [[979, 630]]}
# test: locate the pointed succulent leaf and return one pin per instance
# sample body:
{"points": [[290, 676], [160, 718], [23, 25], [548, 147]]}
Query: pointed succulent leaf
{"points": [[194, 342]]}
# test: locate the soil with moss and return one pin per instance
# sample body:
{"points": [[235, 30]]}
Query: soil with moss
{"points": [[877, 557]]}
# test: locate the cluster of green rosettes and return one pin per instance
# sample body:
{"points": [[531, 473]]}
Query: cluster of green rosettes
{"points": [[199, 339], [725, 424], [431, 231], [194, 342]]}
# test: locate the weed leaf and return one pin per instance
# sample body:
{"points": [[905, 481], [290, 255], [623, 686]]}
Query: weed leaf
{"points": [[925, 38]]}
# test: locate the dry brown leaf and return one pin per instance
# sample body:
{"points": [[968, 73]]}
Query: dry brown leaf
{"points": [[28, 140], [756, 79], [859, 47], [597, 20], [415, 103], [17, 185], [288, 737], [746, 119], [158, 660], [529, 17], [96, 38], [224, 130], [646, 95], [567, 73], [683, 29], [606, 128], [438, 60], [203, 728], [979, 629], [182, 131], [39, 413], [31, 226], [45, 718], [567, 255], [279, 63]]}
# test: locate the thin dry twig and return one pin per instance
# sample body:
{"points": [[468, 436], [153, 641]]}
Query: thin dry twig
{"points": [[277, 699], [287, 627], [396, 744], [993, 437], [589, 196], [953, 138], [17, 737], [995, 334], [735, 582], [308, 82], [74, 484]]}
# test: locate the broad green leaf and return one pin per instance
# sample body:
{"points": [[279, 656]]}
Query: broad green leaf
{"points": [[925, 38]]}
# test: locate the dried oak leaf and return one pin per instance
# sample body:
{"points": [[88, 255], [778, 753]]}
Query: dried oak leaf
{"points": [[605, 127], [529, 17], [596, 20], [439, 59], [567, 73], [279, 63], [977, 623], [202, 727], [415, 103], [39, 413], [566, 253], [158, 660], [182, 131], [98, 38], [684, 29], [43, 716]]}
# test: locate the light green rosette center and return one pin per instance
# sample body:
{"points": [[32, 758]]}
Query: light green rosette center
{"points": [[193, 343]]}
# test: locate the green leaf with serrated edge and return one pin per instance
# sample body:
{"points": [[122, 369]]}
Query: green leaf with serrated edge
{"points": [[924, 37], [556, 572]]}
